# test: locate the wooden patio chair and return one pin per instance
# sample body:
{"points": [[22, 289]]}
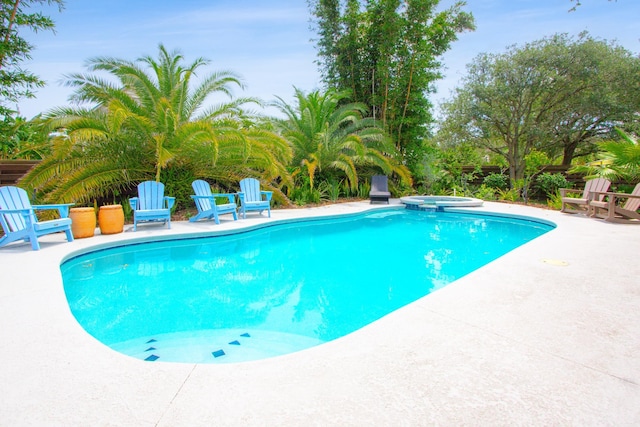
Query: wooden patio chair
{"points": [[613, 210], [581, 204]]}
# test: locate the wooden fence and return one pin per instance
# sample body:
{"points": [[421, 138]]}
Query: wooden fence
{"points": [[12, 170], [479, 176]]}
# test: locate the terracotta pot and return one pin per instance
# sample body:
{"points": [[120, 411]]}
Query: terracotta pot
{"points": [[83, 222], [111, 219]]}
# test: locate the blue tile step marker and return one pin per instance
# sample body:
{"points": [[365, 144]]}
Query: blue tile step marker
{"points": [[220, 353]]}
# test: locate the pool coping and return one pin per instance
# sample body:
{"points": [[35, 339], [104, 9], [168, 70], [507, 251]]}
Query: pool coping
{"points": [[547, 334]]}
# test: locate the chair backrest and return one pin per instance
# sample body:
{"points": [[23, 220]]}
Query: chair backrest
{"points": [[251, 189], [202, 188], [633, 203], [14, 198], [151, 195], [379, 183], [598, 184]]}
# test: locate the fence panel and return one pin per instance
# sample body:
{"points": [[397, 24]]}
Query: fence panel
{"points": [[12, 170]]}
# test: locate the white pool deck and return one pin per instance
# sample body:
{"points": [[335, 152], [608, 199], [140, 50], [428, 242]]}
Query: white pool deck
{"points": [[525, 340]]}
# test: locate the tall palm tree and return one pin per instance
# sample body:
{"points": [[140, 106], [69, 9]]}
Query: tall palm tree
{"points": [[146, 118], [330, 137]]}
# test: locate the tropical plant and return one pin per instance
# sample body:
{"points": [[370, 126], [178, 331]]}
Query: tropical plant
{"points": [[487, 192], [331, 141], [148, 120], [385, 53], [23, 139], [616, 160]]}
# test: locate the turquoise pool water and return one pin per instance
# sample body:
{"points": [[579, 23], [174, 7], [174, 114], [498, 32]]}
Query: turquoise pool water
{"points": [[278, 289]]}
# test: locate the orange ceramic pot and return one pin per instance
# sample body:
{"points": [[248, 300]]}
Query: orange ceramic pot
{"points": [[83, 222], [111, 219]]}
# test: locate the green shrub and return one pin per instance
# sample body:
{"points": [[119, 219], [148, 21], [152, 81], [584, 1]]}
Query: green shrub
{"points": [[496, 181], [302, 196], [549, 184], [486, 193], [511, 195], [177, 183], [555, 201], [332, 189], [364, 188]]}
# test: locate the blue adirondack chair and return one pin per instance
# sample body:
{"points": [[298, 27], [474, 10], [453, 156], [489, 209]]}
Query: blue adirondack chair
{"points": [[151, 205], [19, 221], [206, 203], [251, 198]]}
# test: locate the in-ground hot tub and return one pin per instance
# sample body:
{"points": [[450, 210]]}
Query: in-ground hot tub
{"points": [[439, 202]]}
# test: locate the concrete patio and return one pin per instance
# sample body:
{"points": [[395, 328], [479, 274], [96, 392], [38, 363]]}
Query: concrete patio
{"points": [[548, 334]]}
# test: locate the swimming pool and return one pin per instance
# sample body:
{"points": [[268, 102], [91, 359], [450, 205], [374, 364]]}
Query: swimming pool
{"points": [[282, 288]]}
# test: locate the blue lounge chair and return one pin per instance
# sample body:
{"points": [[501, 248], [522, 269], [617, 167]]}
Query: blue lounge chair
{"points": [[251, 198], [151, 205], [19, 220], [206, 203], [379, 189]]}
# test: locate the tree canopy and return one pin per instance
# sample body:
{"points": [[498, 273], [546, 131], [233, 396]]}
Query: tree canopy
{"points": [[15, 81], [385, 53], [558, 95], [334, 140], [151, 121]]}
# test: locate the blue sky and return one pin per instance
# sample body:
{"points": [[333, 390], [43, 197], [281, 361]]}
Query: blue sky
{"points": [[269, 42]]}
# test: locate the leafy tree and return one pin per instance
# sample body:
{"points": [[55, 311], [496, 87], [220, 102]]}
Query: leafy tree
{"points": [[151, 122], [385, 52], [23, 139], [554, 95], [16, 82], [608, 93], [333, 139]]}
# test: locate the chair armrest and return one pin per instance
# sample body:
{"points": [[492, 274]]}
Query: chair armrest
{"points": [[134, 202], [268, 194], [621, 195], [170, 201], [596, 198], [240, 196], [63, 208], [212, 197]]}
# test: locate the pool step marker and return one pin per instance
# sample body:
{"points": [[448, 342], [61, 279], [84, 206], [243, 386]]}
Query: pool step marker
{"points": [[220, 353]]}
